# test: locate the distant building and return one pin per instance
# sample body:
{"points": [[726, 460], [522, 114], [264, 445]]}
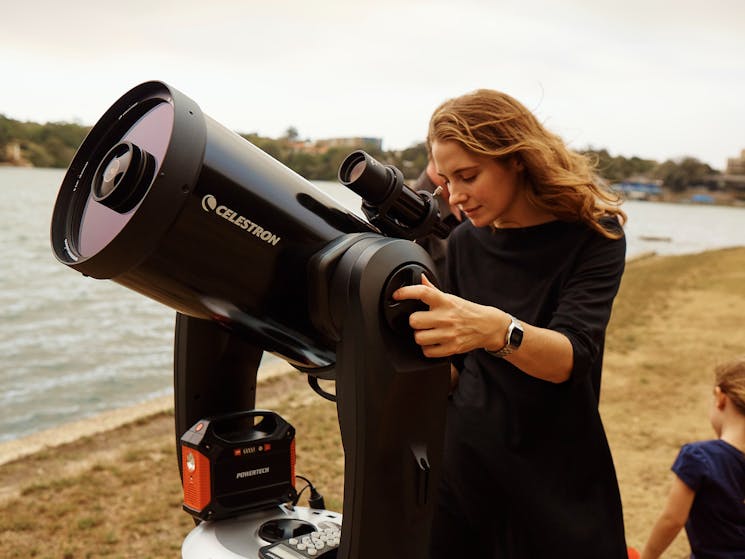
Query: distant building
{"points": [[13, 152], [733, 178], [322, 146], [351, 143], [702, 199], [639, 188], [736, 165]]}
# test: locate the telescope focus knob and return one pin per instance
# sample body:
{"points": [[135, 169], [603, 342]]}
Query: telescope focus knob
{"points": [[397, 312]]}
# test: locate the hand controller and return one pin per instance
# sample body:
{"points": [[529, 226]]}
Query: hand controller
{"points": [[321, 544]]}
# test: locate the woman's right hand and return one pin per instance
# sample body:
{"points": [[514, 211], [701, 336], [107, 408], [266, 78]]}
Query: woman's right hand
{"points": [[452, 325]]}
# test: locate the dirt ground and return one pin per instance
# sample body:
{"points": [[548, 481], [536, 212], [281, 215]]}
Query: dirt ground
{"points": [[675, 318], [116, 493]]}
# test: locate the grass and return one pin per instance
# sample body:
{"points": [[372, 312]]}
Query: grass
{"points": [[117, 495]]}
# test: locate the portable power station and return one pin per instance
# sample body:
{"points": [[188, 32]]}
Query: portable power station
{"points": [[238, 463]]}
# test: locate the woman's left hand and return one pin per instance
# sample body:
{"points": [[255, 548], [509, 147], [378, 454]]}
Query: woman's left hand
{"points": [[451, 325]]}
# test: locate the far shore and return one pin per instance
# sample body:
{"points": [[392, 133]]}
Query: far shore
{"points": [[687, 196]]}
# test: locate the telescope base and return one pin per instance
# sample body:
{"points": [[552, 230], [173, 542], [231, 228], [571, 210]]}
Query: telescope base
{"points": [[238, 538]]}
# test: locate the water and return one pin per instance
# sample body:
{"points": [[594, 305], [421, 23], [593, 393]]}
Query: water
{"points": [[71, 347], [682, 228]]}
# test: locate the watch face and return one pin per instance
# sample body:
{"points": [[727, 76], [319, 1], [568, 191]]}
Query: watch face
{"points": [[516, 337]]}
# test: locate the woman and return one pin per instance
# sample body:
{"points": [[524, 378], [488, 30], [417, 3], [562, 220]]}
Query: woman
{"points": [[532, 274]]}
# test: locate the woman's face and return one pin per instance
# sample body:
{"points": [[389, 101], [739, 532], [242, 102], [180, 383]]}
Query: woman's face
{"points": [[488, 192]]}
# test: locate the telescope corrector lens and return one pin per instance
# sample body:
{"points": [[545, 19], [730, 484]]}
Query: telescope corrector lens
{"points": [[109, 179]]}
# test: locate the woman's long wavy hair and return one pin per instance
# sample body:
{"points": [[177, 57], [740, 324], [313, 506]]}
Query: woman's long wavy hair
{"points": [[560, 181]]}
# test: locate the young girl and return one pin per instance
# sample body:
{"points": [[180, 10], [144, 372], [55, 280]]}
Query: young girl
{"points": [[532, 273], [708, 491]]}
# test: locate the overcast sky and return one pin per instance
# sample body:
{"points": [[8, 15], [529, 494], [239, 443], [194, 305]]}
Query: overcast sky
{"points": [[655, 78]]}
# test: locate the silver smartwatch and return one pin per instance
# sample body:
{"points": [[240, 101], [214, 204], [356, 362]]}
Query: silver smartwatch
{"points": [[512, 340]]}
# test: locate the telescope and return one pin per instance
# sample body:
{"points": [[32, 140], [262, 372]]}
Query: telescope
{"points": [[167, 202]]}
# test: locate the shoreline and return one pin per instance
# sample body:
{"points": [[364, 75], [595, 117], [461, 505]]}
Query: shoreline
{"points": [[75, 430], [109, 420]]}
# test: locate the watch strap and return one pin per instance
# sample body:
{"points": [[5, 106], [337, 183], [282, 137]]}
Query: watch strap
{"points": [[512, 340]]}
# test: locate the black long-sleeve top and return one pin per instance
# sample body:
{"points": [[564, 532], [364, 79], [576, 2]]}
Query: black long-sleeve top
{"points": [[539, 447]]}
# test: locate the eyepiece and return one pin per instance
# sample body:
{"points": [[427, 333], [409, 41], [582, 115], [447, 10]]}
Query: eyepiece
{"points": [[388, 203], [123, 177], [367, 177]]}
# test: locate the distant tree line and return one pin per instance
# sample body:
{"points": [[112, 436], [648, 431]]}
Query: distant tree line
{"points": [[53, 145], [324, 164], [675, 175], [41, 145]]}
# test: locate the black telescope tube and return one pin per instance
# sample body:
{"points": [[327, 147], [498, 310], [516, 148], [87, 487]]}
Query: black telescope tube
{"points": [[165, 201]]}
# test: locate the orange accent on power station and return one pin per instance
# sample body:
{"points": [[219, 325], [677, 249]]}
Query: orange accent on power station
{"points": [[196, 479], [292, 462]]}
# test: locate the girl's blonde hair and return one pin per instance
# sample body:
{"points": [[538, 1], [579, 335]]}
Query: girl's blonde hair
{"points": [[730, 378], [560, 181]]}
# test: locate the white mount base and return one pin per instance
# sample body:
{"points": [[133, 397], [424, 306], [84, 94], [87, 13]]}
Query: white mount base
{"points": [[238, 538]]}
